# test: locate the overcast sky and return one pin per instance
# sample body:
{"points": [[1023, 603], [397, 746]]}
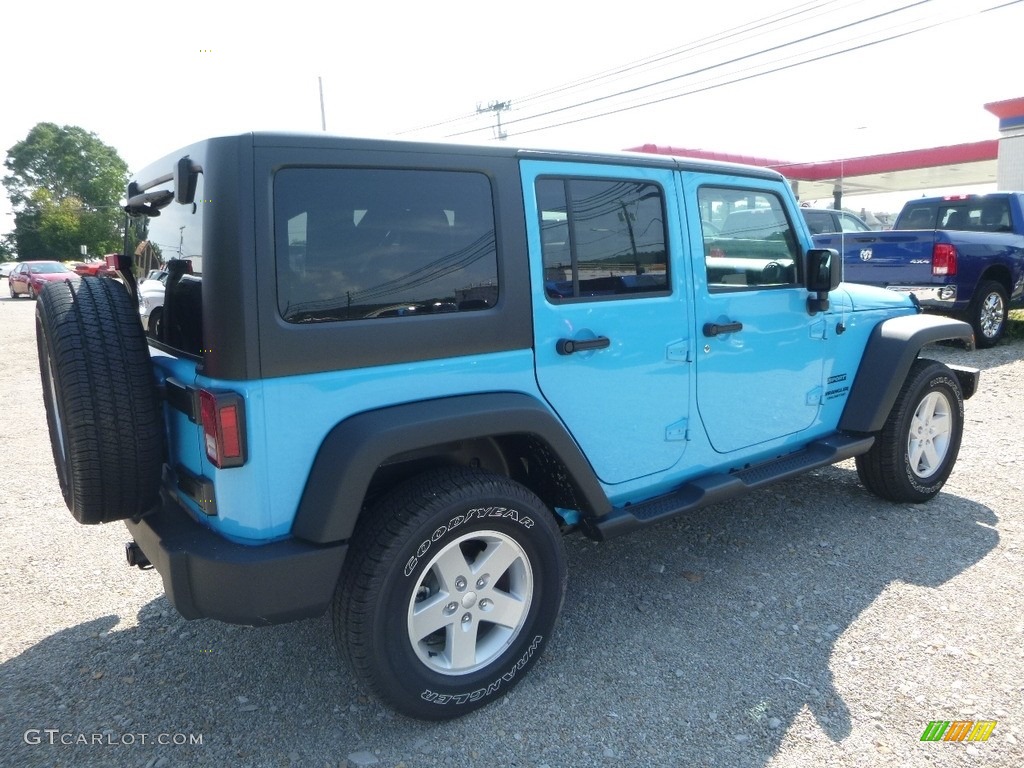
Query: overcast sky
{"points": [[148, 78]]}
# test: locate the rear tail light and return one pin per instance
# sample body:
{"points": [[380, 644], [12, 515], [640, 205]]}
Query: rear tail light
{"points": [[223, 419], [944, 259]]}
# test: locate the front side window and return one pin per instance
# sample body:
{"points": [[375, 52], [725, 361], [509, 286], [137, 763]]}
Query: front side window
{"points": [[358, 243], [602, 238], [748, 240]]}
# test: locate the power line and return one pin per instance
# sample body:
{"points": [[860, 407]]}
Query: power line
{"points": [[757, 25], [780, 68], [781, 20], [708, 68]]}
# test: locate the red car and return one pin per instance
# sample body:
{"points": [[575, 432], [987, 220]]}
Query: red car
{"points": [[95, 268], [29, 277]]}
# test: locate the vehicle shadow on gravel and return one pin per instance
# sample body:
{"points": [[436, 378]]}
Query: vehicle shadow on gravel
{"points": [[734, 612], [695, 643]]}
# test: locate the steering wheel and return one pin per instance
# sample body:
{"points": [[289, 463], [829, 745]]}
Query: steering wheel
{"points": [[772, 273]]}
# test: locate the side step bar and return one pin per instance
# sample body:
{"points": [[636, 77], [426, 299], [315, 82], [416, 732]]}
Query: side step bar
{"points": [[715, 488]]}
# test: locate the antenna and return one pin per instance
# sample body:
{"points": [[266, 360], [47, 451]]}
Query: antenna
{"points": [[323, 115]]}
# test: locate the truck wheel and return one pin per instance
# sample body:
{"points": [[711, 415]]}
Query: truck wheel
{"points": [[451, 589], [988, 314], [917, 448], [100, 397], [156, 319]]}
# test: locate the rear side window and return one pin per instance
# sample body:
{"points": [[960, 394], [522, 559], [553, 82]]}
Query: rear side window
{"points": [[602, 238], [358, 243]]}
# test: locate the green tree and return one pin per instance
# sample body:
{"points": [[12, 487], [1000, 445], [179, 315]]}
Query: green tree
{"points": [[64, 185], [7, 249]]}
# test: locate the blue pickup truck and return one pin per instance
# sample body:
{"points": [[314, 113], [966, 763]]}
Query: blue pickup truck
{"points": [[961, 255]]}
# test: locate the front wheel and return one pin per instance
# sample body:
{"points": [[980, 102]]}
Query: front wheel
{"points": [[917, 448], [452, 586], [987, 314], [155, 325]]}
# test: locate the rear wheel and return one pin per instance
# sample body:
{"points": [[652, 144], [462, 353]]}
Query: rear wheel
{"points": [[451, 589], [987, 313], [100, 397], [918, 446]]}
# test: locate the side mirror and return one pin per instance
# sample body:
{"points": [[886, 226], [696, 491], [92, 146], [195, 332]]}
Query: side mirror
{"points": [[824, 273], [186, 174]]}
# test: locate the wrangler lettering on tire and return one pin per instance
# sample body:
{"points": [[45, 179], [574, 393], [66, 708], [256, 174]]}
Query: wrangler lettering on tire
{"points": [[464, 573]]}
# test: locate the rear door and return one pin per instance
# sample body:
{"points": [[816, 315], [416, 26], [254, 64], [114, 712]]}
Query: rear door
{"points": [[759, 359], [611, 319]]}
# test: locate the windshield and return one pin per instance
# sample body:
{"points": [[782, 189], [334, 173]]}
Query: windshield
{"points": [[49, 268]]}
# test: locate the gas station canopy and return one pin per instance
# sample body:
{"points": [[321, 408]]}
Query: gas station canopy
{"points": [[953, 166]]}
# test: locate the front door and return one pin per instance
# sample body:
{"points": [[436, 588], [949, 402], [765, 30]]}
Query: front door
{"points": [[611, 318], [759, 358]]}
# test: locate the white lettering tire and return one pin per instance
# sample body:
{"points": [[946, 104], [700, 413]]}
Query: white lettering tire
{"points": [[452, 585]]}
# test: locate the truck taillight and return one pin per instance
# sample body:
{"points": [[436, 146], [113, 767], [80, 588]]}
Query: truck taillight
{"points": [[944, 259], [223, 418]]}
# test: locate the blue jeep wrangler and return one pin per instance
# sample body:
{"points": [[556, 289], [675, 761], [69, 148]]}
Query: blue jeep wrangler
{"points": [[404, 371]]}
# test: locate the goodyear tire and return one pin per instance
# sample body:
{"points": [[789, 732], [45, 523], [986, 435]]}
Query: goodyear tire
{"points": [[987, 314], [451, 589], [917, 448], [100, 397]]}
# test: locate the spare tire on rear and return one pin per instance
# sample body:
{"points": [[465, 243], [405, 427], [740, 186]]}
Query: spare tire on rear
{"points": [[102, 407]]}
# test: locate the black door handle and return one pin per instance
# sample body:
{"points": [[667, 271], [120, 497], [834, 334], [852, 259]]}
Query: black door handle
{"points": [[568, 346], [713, 329]]}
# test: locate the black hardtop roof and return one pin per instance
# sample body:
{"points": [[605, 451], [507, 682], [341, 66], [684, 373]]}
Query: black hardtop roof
{"points": [[312, 140]]}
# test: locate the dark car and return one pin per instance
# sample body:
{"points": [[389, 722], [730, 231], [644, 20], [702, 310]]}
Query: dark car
{"points": [[29, 277], [823, 220]]}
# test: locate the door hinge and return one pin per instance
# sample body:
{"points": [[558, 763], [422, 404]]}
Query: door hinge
{"points": [[679, 351], [678, 431]]}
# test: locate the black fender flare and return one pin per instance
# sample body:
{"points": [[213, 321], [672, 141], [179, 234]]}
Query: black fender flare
{"points": [[891, 350], [354, 449]]}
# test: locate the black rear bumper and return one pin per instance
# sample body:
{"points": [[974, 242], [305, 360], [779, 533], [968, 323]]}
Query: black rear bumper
{"points": [[207, 576]]}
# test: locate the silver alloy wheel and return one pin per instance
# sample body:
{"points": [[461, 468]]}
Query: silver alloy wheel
{"points": [[990, 316], [470, 603], [930, 435]]}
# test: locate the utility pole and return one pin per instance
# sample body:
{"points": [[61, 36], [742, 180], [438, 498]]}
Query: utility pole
{"points": [[497, 107]]}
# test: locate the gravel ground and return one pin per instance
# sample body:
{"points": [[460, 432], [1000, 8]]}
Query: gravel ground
{"points": [[810, 624]]}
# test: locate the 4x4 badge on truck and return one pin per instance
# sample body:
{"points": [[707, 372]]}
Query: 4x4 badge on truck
{"points": [[865, 254]]}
